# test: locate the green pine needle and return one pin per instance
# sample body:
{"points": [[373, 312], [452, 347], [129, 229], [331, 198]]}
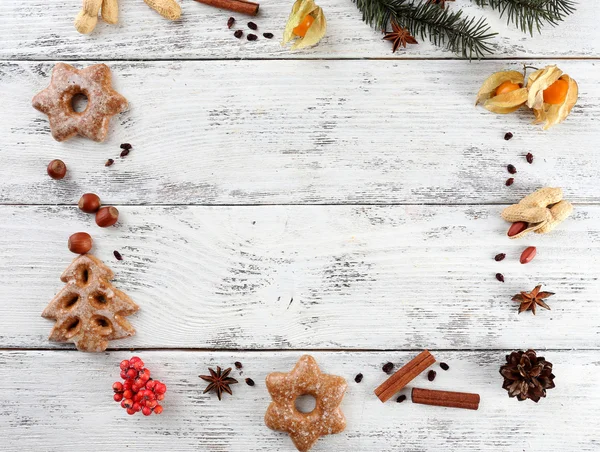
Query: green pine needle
{"points": [[530, 14], [462, 35]]}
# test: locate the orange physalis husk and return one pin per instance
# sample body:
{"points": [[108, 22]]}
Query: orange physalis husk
{"points": [[502, 103], [315, 32], [551, 114]]}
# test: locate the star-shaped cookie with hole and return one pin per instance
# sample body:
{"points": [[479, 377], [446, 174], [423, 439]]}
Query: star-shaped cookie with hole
{"points": [[305, 379], [103, 102]]}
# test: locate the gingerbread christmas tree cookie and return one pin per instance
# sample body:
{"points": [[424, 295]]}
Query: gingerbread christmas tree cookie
{"points": [[89, 311]]}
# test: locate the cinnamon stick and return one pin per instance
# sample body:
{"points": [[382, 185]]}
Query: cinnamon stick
{"points": [[238, 6], [404, 375], [446, 398]]}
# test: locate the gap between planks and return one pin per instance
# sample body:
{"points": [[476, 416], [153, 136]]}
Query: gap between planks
{"points": [[221, 60], [294, 350]]}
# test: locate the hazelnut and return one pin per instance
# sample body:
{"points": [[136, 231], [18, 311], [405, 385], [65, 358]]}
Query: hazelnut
{"points": [[57, 169], [107, 216], [80, 243], [89, 203]]}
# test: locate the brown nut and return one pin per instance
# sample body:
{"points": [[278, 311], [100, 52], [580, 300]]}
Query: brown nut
{"points": [[57, 169], [89, 203], [107, 216], [80, 243], [528, 254], [516, 228]]}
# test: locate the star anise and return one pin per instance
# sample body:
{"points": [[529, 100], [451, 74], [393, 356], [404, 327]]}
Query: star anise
{"points": [[400, 36], [526, 375], [529, 300], [440, 3], [219, 381]]}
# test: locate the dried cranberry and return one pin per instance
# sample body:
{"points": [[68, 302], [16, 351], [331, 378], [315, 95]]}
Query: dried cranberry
{"points": [[230, 22], [358, 378], [499, 257], [510, 181], [126, 146], [268, 35], [511, 169], [118, 255], [252, 26], [250, 382], [431, 375], [238, 365], [401, 398], [124, 152], [500, 277], [529, 157], [251, 37], [508, 136], [238, 34], [109, 162], [444, 366]]}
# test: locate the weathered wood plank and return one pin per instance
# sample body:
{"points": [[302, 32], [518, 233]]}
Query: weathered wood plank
{"points": [[63, 401], [403, 277], [37, 29], [264, 132]]}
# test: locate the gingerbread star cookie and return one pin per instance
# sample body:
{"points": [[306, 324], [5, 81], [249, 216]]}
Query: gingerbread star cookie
{"points": [[306, 379], [56, 101]]}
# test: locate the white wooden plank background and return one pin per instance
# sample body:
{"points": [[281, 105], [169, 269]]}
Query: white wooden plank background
{"points": [[351, 277], [263, 132], [342, 201], [39, 29], [81, 415]]}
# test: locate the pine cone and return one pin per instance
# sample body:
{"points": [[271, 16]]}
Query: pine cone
{"points": [[527, 376]]}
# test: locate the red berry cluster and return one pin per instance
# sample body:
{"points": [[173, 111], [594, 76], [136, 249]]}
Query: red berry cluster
{"points": [[138, 392]]}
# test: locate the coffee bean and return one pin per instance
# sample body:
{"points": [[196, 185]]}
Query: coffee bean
{"points": [[388, 367]]}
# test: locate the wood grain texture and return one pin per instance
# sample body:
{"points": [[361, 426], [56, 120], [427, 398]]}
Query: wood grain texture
{"points": [[311, 277], [263, 132], [67, 405], [38, 29]]}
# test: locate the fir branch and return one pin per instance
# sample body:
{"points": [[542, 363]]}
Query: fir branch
{"points": [[462, 35], [530, 14]]}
